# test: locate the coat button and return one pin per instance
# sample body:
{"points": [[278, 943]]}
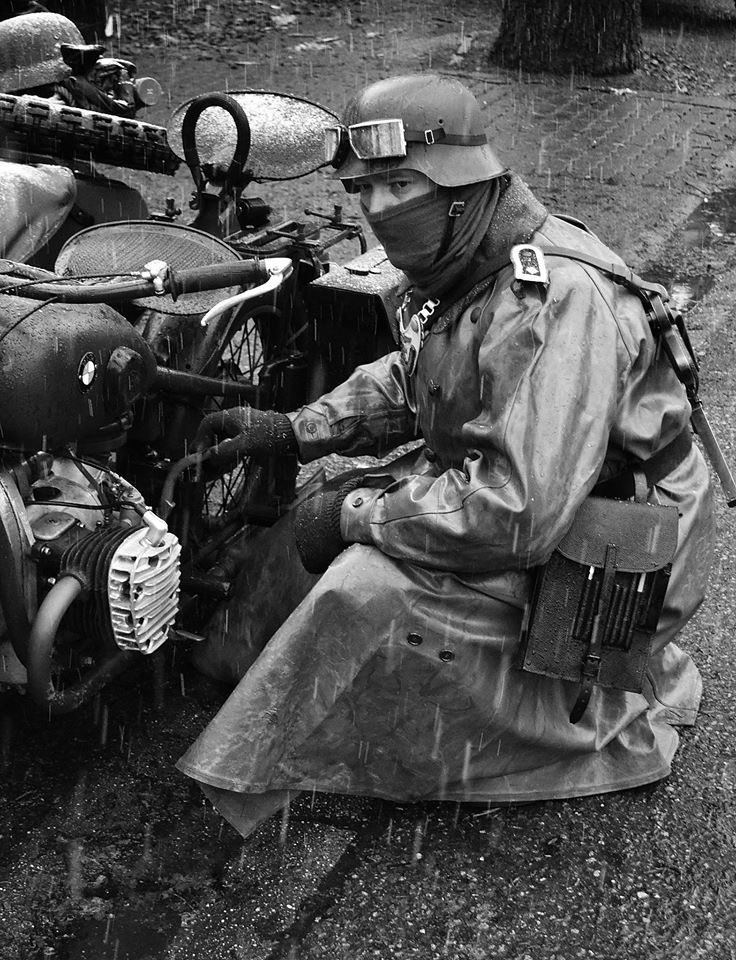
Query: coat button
{"points": [[475, 314], [414, 639], [429, 455], [311, 427], [446, 656], [358, 502], [433, 388]]}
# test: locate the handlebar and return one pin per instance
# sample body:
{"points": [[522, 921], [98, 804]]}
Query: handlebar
{"points": [[156, 278]]}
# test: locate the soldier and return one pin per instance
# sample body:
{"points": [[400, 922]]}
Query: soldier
{"points": [[533, 381], [44, 54], [37, 197]]}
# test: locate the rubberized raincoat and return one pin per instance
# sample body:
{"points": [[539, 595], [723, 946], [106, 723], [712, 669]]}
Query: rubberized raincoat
{"points": [[395, 676], [36, 200]]}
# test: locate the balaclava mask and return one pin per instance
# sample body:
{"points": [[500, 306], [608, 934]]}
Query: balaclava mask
{"points": [[431, 247]]}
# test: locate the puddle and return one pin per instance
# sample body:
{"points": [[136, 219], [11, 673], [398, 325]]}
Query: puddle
{"points": [[714, 219], [684, 291]]}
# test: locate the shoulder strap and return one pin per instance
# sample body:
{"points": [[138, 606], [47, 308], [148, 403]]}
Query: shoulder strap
{"points": [[669, 328], [616, 271]]}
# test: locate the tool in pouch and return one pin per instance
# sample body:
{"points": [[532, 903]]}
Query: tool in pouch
{"points": [[413, 329], [595, 604]]}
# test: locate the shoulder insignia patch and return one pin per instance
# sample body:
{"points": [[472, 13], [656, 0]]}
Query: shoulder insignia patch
{"points": [[528, 262]]}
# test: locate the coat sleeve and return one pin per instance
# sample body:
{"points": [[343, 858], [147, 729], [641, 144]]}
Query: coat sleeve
{"points": [[552, 368], [370, 413]]}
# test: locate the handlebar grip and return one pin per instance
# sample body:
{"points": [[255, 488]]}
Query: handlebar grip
{"points": [[214, 275]]}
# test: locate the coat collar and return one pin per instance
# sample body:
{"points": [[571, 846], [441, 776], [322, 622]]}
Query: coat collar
{"points": [[518, 215]]}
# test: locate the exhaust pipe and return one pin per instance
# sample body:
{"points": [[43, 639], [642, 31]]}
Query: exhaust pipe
{"points": [[41, 686]]}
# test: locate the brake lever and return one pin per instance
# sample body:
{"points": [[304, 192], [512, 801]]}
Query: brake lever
{"points": [[280, 268]]}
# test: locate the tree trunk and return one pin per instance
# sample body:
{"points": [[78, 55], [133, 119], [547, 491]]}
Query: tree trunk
{"points": [[560, 36]]}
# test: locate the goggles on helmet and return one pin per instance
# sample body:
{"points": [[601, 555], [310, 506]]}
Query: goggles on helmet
{"points": [[370, 140], [384, 139]]}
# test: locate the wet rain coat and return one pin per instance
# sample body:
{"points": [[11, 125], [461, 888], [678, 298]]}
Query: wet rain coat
{"points": [[36, 200], [395, 675]]}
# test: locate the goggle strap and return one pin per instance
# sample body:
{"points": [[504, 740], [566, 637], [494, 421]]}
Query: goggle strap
{"points": [[427, 137], [343, 148], [438, 135]]}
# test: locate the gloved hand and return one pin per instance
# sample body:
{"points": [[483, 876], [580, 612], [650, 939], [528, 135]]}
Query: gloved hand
{"points": [[243, 431], [317, 518]]}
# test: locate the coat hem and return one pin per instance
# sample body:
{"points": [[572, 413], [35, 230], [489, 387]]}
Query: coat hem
{"points": [[512, 796]]}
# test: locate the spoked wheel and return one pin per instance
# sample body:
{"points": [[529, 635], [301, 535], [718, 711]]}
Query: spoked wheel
{"points": [[259, 347], [251, 349], [223, 514], [242, 358]]}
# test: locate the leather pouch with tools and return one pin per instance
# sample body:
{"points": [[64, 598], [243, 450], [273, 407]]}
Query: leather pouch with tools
{"points": [[596, 602]]}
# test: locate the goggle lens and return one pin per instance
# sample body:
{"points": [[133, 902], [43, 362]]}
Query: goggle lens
{"points": [[371, 140], [377, 139]]}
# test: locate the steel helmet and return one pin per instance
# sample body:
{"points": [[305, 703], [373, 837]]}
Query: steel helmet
{"points": [[423, 122], [30, 50]]}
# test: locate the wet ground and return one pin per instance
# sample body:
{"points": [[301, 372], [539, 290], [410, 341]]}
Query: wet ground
{"points": [[107, 853]]}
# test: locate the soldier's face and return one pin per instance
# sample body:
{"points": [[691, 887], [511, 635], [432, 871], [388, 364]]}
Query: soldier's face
{"points": [[381, 191]]}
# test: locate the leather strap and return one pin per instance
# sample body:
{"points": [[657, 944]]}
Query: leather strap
{"points": [[618, 272], [440, 135], [664, 461], [623, 486]]}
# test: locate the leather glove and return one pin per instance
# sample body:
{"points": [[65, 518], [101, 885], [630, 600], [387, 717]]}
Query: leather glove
{"points": [[243, 431], [317, 518]]}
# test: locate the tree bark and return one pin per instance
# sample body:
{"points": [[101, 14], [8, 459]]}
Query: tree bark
{"points": [[563, 36]]}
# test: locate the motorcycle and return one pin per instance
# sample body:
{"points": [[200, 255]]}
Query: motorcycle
{"points": [[111, 538]]}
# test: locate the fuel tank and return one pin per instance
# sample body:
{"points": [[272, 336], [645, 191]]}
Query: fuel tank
{"points": [[68, 372]]}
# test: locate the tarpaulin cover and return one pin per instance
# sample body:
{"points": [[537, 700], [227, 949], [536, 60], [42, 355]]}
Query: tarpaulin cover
{"points": [[35, 201]]}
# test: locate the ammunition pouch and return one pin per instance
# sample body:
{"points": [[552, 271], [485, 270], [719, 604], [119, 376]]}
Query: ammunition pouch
{"points": [[595, 604]]}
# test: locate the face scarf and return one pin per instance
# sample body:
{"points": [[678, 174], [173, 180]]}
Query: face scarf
{"points": [[431, 247]]}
